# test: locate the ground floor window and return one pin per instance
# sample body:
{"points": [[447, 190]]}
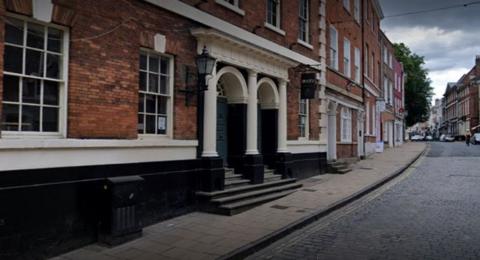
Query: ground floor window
{"points": [[154, 94], [303, 118], [346, 125], [33, 76]]}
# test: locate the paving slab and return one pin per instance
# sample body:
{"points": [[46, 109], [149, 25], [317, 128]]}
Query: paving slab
{"points": [[206, 236]]}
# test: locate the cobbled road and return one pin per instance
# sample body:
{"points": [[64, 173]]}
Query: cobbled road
{"points": [[432, 211]]}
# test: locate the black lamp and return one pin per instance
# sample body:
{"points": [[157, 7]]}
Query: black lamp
{"points": [[205, 65]]}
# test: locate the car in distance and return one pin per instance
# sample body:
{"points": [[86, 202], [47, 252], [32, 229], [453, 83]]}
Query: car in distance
{"points": [[449, 138], [476, 138]]}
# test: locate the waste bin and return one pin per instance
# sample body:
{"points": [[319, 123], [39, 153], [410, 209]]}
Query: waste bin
{"points": [[120, 218]]}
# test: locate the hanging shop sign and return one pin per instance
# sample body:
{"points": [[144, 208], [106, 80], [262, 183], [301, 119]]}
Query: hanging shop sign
{"points": [[308, 85]]}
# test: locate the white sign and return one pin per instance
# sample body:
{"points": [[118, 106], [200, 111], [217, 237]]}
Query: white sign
{"points": [[162, 123]]}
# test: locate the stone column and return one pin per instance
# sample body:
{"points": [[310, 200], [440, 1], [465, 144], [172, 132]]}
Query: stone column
{"points": [[210, 118], [282, 118], [252, 110]]}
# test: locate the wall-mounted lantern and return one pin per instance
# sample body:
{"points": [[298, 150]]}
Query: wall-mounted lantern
{"points": [[205, 65]]}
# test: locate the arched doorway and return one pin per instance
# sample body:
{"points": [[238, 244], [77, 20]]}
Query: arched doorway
{"points": [[231, 115], [268, 101]]}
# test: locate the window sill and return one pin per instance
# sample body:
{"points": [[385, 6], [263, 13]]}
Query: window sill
{"points": [[305, 44], [345, 142], [274, 28], [53, 143], [234, 8], [30, 135]]}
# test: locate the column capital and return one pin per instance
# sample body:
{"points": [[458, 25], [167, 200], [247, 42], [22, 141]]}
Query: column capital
{"points": [[283, 81], [252, 73]]}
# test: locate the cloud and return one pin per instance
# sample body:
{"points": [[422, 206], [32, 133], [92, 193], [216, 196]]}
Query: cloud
{"points": [[440, 78], [448, 53]]}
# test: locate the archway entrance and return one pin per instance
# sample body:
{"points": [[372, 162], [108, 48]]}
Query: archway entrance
{"points": [[268, 103], [231, 116]]}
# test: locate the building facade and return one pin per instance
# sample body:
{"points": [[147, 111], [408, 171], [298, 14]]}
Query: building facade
{"points": [[388, 81], [399, 102], [461, 108], [93, 93]]}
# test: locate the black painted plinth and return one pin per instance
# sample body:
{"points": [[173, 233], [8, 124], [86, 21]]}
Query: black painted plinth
{"points": [[212, 177], [284, 165], [253, 168]]}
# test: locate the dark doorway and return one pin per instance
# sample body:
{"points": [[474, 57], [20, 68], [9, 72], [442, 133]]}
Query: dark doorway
{"points": [[268, 141], [222, 137]]}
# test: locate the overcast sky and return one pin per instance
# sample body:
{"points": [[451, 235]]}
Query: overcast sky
{"points": [[448, 39]]}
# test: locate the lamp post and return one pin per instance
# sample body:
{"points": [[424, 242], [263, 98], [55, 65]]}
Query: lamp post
{"points": [[205, 65]]}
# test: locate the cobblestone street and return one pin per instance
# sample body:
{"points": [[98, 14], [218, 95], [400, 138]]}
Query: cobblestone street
{"points": [[429, 212]]}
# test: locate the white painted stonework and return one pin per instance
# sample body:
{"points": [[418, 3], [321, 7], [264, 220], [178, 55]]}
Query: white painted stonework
{"points": [[160, 43], [42, 10], [34, 154]]}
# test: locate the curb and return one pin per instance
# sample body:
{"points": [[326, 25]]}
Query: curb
{"points": [[265, 241]]}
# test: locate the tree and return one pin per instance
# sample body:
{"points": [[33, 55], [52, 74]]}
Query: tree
{"points": [[418, 92]]}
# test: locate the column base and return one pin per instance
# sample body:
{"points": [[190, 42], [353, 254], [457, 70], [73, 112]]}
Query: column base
{"points": [[253, 168], [283, 165], [212, 177]]}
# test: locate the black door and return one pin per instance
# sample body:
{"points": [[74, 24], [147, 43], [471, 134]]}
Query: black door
{"points": [[222, 115], [268, 131]]}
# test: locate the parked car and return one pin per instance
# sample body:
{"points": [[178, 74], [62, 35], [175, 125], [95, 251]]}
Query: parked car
{"points": [[449, 139], [476, 138], [442, 138], [417, 138], [429, 138]]}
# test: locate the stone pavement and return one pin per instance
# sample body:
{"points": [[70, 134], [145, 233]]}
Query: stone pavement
{"points": [[205, 236]]}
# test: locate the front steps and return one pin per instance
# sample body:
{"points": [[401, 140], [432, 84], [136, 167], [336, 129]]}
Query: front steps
{"points": [[338, 167], [240, 196]]}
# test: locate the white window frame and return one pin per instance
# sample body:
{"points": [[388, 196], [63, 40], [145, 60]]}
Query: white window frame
{"points": [[385, 54], [356, 10], [346, 5], [333, 48], [63, 82], [234, 7], [366, 64], [358, 65], [278, 15], [390, 91], [347, 66], [306, 115], [170, 96], [385, 90], [390, 60], [346, 125], [306, 20], [367, 131]]}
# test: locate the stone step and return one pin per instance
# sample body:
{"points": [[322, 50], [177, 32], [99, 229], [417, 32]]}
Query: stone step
{"points": [[255, 193], [271, 177], [229, 192], [243, 205], [229, 184], [343, 171], [231, 177]]}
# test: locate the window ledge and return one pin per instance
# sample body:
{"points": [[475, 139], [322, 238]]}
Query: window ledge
{"points": [[234, 8], [345, 142], [274, 28], [305, 44], [92, 143]]}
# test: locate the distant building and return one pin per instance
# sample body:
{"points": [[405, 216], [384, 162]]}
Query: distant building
{"points": [[461, 109], [436, 118]]}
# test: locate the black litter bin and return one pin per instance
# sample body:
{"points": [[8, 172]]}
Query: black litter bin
{"points": [[121, 209]]}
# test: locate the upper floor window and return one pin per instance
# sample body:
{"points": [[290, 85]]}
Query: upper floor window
{"points": [[357, 65], [346, 125], [155, 88], [303, 17], [233, 5], [346, 58], [333, 48], [273, 13], [346, 4], [303, 118], [356, 10], [33, 77], [366, 66]]}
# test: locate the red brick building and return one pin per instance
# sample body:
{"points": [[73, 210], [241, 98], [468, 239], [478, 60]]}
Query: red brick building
{"points": [[388, 81], [99, 89], [353, 74]]}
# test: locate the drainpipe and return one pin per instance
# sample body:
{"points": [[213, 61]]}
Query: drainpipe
{"points": [[363, 78]]}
